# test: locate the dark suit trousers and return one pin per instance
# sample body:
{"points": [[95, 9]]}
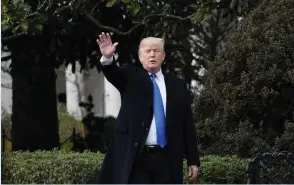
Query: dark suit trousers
{"points": [[152, 166]]}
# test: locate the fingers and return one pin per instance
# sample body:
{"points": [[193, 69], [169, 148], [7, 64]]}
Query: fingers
{"points": [[115, 44], [190, 172], [105, 39], [98, 42], [108, 39], [193, 172]]}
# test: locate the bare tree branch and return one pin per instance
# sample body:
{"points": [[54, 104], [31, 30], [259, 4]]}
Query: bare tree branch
{"points": [[5, 70], [108, 28], [61, 10], [6, 86], [6, 58], [5, 39], [93, 9], [142, 23], [188, 18], [6, 30], [38, 9]]}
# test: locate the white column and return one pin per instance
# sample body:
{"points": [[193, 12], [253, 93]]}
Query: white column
{"points": [[112, 99], [6, 85], [74, 91]]}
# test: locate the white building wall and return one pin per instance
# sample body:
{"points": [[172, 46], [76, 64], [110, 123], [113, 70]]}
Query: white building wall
{"points": [[75, 92], [94, 85], [106, 98], [6, 86], [112, 99]]}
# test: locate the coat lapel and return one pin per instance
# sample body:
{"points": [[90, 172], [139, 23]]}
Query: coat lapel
{"points": [[169, 95], [147, 80]]}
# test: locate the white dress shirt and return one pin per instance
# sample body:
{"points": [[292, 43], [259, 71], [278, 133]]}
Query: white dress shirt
{"points": [[151, 139]]}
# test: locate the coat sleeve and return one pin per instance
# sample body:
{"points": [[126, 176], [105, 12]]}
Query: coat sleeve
{"points": [[190, 136], [117, 76]]}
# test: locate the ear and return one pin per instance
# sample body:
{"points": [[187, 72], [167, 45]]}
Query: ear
{"points": [[140, 58]]}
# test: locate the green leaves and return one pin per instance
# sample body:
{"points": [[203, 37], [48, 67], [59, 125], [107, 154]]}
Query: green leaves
{"points": [[195, 6], [5, 19], [110, 3], [132, 6], [125, 1], [135, 8], [220, 170], [39, 27], [24, 26], [59, 167], [53, 167], [249, 83], [20, 17], [203, 11]]}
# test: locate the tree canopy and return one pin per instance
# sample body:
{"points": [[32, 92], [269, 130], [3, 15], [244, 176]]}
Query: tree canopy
{"points": [[249, 88]]}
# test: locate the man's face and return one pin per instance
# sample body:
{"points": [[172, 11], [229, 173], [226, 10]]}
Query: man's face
{"points": [[151, 55]]}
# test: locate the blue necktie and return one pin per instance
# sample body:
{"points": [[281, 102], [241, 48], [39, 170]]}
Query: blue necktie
{"points": [[158, 111]]}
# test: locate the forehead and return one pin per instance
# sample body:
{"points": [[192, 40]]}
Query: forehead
{"points": [[151, 44]]}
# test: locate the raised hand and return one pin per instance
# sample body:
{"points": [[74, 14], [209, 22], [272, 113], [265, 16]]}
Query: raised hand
{"points": [[105, 44]]}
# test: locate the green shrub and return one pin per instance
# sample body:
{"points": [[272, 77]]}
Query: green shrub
{"points": [[286, 141], [6, 126], [66, 125], [57, 167], [250, 84], [220, 170]]}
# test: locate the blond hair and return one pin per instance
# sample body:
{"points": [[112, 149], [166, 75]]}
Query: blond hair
{"points": [[152, 40]]}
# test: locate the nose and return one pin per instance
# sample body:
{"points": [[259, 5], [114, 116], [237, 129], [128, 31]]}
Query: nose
{"points": [[151, 53]]}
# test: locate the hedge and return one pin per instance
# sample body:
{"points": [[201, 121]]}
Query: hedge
{"points": [[59, 167], [220, 170]]}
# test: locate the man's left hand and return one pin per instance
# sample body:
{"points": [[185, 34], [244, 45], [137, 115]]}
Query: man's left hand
{"points": [[193, 172]]}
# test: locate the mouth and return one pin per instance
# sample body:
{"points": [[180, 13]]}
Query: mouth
{"points": [[152, 61]]}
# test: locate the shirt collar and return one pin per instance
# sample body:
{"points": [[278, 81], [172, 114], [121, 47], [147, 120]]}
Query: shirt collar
{"points": [[159, 74]]}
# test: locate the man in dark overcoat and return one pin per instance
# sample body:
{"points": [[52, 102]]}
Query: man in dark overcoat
{"points": [[154, 129]]}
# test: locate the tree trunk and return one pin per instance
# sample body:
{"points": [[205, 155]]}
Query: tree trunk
{"points": [[34, 103]]}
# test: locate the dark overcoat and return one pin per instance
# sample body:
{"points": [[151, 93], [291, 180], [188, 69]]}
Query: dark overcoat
{"points": [[134, 120]]}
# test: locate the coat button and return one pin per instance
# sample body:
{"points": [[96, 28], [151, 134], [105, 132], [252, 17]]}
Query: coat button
{"points": [[136, 143], [147, 129], [143, 124]]}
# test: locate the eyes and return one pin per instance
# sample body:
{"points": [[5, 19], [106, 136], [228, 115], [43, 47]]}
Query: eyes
{"points": [[148, 51]]}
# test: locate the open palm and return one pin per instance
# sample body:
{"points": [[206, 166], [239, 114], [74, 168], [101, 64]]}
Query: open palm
{"points": [[105, 44]]}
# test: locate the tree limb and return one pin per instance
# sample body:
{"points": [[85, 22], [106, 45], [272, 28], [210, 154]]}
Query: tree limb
{"points": [[6, 58], [16, 36], [188, 18], [142, 23], [61, 10], [40, 6], [6, 30], [6, 86], [108, 28]]}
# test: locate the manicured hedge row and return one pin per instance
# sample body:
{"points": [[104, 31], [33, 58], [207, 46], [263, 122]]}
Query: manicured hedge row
{"points": [[54, 167], [220, 170], [57, 167]]}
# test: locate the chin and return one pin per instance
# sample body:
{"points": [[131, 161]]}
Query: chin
{"points": [[153, 66], [153, 69]]}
